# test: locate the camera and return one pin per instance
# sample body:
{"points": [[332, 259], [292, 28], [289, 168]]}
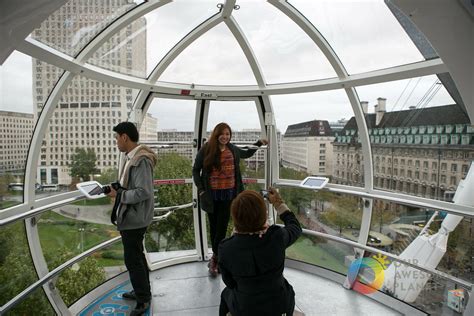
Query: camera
{"points": [[106, 188], [264, 193]]}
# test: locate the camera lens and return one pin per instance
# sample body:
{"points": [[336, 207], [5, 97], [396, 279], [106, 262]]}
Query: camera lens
{"points": [[106, 189]]}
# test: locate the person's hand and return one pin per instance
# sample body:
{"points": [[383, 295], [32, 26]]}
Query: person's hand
{"points": [[112, 192], [264, 141], [274, 197]]}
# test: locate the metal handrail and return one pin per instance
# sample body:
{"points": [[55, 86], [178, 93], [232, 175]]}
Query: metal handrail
{"points": [[36, 211], [174, 207], [160, 143], [402, 199], [22, 295], [170, 210], [354, 244]]}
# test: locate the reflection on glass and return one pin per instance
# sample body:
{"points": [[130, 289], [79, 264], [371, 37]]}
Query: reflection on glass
{"points": [[77, 22], [223, 62], [137, 48], [73, 229], [87, 274], [124, 52], [379, 42], [276, 40], [17, 272]]}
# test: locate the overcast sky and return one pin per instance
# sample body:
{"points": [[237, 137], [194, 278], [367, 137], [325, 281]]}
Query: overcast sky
{"points": [[363, 33]]}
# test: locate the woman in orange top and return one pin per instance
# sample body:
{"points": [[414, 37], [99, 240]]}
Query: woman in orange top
{"points": [[217, 176]]}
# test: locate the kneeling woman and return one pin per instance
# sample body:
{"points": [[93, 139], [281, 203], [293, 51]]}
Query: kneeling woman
{"points": [[252, 259]]}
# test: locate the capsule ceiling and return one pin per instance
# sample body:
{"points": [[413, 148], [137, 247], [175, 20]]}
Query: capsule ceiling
{"points": [[364, 35]]}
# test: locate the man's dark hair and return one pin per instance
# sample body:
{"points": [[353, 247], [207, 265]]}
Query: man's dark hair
{"points": [[127, 128]]}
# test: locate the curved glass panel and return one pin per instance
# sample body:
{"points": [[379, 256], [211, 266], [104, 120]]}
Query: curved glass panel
{"points": [[137, 48], [437, 296], [17, 272], [223, 63], [79, 142], [276, 41], [326, 212], [25, 86], [125, 52], [366, 35], [422, 142], [87, 274], [315, 137], [401, 229], [335, 214], [75, 228], [70, 28], [173, 234]]}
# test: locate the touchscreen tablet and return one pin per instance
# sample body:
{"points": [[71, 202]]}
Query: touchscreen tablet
{"points": [[314, 182], [91, 189]]}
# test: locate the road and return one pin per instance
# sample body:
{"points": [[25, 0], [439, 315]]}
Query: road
{"points": [[98, 214]]}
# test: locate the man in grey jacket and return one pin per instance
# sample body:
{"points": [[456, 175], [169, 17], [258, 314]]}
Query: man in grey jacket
{"points": [[133, 210]]}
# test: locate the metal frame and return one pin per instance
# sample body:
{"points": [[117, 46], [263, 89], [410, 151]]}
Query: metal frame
{"points": [[47, 54], [399, 198], [77, 65]]}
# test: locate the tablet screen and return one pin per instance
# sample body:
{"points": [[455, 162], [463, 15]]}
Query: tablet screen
{"points": [[312, 182], [92, 189]]}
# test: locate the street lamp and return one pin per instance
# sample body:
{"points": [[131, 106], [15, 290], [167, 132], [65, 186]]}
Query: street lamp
{"points": [[81, 230]]}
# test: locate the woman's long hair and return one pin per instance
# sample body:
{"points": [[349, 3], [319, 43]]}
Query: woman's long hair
{"points": [[212, 154]]}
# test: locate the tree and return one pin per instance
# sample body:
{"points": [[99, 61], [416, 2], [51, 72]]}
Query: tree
{"points": [[176, 231], [337, 219], [17, 272], [80, 279], [108, 176], [83, 163]]}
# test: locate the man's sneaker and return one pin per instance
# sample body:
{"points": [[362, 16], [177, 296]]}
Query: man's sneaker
{"points": [[129, 295], [140, 309]]}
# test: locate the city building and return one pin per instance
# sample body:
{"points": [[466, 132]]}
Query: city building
{"points": [[307, 147], [149, 128], [244, 137], [423, 152], [16, 130], [338, 126], [87, 110]]}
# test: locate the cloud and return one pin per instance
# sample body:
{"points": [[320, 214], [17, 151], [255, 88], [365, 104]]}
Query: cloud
{"points": [[16, 84]]}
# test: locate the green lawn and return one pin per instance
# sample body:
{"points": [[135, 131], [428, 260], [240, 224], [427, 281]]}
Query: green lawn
{"points": [[7, 204], [304, 250], [59, 233], [91, 202]]}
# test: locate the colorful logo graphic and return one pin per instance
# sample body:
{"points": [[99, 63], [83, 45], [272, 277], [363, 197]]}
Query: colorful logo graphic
{"points": [[373, 278]]}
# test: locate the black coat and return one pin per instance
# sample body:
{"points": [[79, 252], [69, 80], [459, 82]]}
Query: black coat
{"points": [[201, 176], [252, 269]]}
